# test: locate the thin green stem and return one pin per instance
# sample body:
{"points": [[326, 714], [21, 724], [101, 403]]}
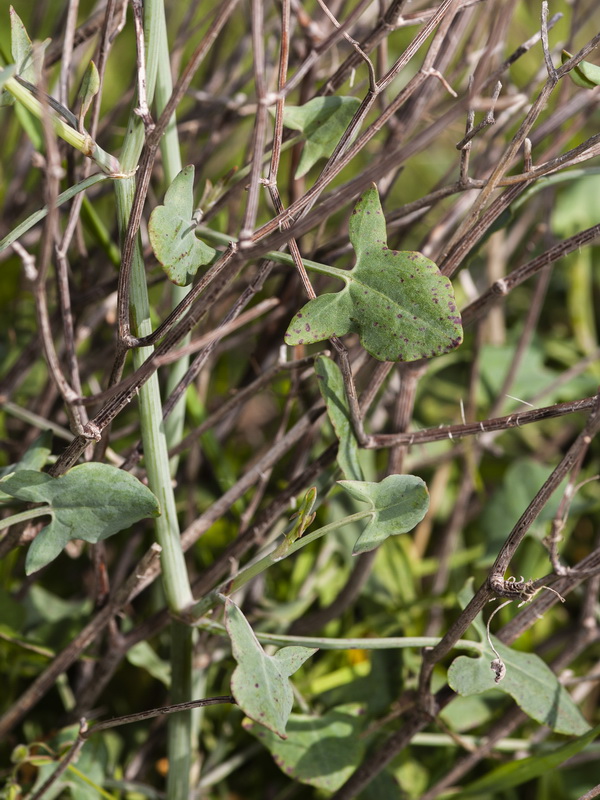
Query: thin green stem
{"points": [[32, 513], [184, 685], [80, 141], [352, 643], [281, 258], [175, 578], [278, 553], [172, 165]]}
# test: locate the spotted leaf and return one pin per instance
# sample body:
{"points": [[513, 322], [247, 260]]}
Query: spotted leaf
{"points": [[398, 302]]}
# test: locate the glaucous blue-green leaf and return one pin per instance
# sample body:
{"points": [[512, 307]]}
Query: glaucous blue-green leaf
{"points": [[584, 74], [528, 680], [323, 121], [91, 502], [320, 751], [35, 457], [398, 302], [172, 232], [332, 389], [260, 683], [515, 773], [398, 503]]}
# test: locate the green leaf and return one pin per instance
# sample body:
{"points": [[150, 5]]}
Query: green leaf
{"points": [[144, 656], [528, 680], [260, 682], [35, 457], [90, 85], [82, 779], [399, 502], [332, 389], [91, 502], [584, 74], [172, 232], [21, 47], [515, 773], [323, 121], [399, 303], [320, 751]]}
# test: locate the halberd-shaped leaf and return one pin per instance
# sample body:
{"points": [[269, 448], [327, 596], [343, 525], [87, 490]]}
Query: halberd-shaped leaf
{"points": [[91, 502], [331, 385], [584, 74], [399, 303], [528, 680], [323, 121], [320, 751], [260, 683], [399, 502], [172, 232]]}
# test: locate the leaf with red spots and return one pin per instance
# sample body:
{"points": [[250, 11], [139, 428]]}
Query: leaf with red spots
{"points": [[260, 683], [172, 232], [398, 302]]}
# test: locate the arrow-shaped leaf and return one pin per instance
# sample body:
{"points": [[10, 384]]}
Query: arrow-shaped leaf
{"points": [[91, 502], [323, 121], [398, 302], [398, 502], [528, 680], [172, 232], [260, 683]]}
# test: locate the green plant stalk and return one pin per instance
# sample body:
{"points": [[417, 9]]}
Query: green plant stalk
{"points": [[32, 513], [172, 164], [358, 643], [175, 577], [216, 238], [80, 141], [184, 684]]}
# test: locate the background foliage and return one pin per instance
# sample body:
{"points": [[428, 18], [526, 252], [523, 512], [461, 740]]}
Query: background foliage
{"points": [[374, 717]]}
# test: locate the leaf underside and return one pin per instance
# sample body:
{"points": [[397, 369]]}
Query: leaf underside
{"points": [[399, 303]]}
